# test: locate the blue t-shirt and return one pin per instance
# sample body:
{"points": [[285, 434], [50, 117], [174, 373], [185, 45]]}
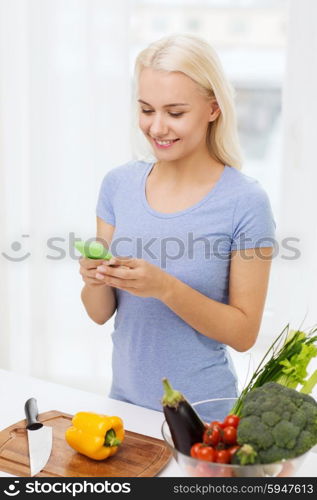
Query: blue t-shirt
{"points": [[149, 340]]}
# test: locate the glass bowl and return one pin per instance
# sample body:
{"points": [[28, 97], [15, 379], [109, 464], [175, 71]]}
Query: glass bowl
{"points": [[217, 409]]}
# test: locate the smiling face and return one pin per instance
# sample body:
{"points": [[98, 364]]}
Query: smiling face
{"points": [[174, 115]]}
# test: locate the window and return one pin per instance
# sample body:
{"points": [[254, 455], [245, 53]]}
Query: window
{"points": [[250, 38]]}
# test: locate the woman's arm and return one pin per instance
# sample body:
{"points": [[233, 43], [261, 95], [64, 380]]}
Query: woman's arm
{"points": [[236, 324], [98, 298]]}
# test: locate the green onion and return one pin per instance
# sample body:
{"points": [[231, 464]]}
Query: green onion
{"points": [[289, 356]]}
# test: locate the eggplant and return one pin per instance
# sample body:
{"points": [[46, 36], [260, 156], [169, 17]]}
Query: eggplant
{"points": [[185, 425]]}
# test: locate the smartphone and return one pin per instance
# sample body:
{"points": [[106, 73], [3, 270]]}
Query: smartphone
{"points": [[92, 250]]}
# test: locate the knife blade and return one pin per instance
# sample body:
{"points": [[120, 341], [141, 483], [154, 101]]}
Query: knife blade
{"points": [[40, 438]]}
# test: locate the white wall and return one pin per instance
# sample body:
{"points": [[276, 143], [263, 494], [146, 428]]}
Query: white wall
{"points": [[296, 293]]}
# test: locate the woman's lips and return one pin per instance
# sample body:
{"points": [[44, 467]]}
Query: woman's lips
{"points": [[164, 146]]}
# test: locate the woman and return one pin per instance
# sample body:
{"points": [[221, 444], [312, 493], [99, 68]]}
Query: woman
{"points": [[192, 236]]}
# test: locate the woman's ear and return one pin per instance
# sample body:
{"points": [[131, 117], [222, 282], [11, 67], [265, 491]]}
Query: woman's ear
{"points": [[214, 110]]}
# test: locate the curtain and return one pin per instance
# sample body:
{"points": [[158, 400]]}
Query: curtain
{"points": [[64, 115]]}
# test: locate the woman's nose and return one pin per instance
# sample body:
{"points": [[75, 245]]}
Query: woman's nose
{"points": [[158, 127]]}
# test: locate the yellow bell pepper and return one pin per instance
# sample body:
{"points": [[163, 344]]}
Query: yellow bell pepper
{"points": [[96, 436]]}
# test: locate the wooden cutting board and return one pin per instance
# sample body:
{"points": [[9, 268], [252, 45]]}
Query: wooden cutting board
{"points": [[138, 456]]}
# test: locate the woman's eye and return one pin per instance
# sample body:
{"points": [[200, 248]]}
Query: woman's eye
{"points": [[147, 111]]}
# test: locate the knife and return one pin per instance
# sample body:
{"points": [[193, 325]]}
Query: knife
{"points": [[40, 438]]}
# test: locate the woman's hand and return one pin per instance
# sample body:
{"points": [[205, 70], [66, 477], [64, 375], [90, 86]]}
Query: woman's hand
{"points": [[136, 276], [88, 269]]}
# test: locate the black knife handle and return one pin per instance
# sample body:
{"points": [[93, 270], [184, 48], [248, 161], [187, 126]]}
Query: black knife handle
{"points": [[31, 413]]}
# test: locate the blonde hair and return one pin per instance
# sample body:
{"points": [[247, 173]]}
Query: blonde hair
{"points": [[194, 57]]}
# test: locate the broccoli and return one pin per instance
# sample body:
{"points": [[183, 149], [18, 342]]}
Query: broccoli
{"points": [[245, 455], [278, 423]]}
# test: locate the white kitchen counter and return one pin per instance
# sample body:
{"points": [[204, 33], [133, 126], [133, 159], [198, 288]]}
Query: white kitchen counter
{"points": [[15, 389]]}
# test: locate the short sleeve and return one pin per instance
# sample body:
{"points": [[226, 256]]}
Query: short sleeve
{"points": [[253, 222], [105, 208]]}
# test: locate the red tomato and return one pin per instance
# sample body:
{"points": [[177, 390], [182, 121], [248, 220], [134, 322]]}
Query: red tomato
{"points": [[222, 456], [212, 435], [221, 445], [230, 435], [202, 451], [231, 420], [194, 450], [216, 423], [232, 450], [206, 453]]}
